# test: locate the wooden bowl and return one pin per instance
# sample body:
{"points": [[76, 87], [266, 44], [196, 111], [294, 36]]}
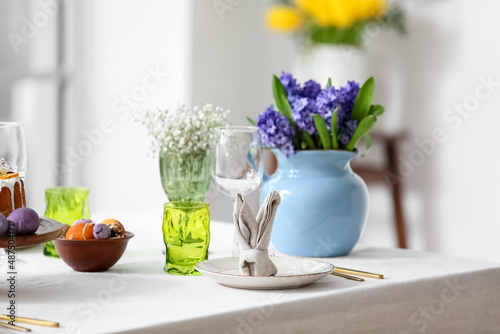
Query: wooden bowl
{"points": [[92, 255]]}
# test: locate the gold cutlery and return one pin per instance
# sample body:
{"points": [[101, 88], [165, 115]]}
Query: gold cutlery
{"points": [[357, 272], [29, 321], [16, 328], [353, 278]]}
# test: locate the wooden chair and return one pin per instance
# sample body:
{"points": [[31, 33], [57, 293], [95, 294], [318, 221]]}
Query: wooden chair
{"points": [[380, 175]]}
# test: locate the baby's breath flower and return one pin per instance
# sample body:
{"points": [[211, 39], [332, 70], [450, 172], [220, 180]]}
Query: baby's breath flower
{"points": [[183, 130]]}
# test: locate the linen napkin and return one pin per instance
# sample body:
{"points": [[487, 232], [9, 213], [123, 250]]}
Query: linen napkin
{"points": [[254, 235]]}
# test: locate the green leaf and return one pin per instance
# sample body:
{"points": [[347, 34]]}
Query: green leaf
{"points": [[364, 145], [368, 141], [320, 124], [281, 99], [310, 142], [352, 35], [376, 110], [278, 91], [364, 127], [335, 130], [363, 100], [287, 110], [251, 121], [329, 83]]}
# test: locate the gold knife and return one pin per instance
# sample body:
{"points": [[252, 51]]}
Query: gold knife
{"points": [[31, 321], [357, 272], [16, 328], [353, 278]]}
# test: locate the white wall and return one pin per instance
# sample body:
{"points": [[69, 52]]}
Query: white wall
{"points": [[124, 41], [468, 179], [28, 90], [451, 186]]}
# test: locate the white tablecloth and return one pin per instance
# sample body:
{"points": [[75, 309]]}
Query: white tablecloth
{"points": [[422, 292]]}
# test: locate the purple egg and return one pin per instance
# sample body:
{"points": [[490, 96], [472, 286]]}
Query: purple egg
{"points": [[102, 231], [4, 225], [25, 221], [83, 221]]}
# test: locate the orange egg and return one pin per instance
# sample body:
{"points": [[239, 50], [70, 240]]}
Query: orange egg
{"points": [[81, 232]]}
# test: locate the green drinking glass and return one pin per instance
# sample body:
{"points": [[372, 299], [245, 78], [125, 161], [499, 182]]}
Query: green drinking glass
{"points": [[65, 204], [186, 233]]}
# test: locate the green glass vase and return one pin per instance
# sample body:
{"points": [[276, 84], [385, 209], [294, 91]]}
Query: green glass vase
{"points": [[66, 205], [185, 176], [186, 233]]}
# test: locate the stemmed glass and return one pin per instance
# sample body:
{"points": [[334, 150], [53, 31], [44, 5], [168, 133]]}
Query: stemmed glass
{"points": [[238, 163], [13, 150], [13, 146]]}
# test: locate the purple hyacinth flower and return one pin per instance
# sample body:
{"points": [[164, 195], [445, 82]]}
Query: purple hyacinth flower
{"points": [[291, 87], [276, 131], [310, 90], [343, 100], [347, 130], [302, 112]]}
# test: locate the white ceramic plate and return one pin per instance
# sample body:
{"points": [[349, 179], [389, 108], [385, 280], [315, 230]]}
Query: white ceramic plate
{"points": [[292, 273]]}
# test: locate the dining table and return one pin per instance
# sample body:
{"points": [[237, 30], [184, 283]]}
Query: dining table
{"points": [[421, 292]]}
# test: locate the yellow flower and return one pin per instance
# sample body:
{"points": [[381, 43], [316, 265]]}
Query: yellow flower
{"points": [[341, 13], [283, 18], [370, 8], [317, 9]]}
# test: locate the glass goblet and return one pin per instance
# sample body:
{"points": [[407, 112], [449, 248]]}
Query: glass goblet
{"points": [[13, 153], [238, 163], [13, 146]]}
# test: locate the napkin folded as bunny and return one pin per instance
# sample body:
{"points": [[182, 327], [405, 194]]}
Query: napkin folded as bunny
{"points": [[254, 235]]}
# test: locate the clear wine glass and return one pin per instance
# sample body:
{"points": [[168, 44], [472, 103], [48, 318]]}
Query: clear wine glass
{"points": [[13, 150], [238, 163], [13, 146]]}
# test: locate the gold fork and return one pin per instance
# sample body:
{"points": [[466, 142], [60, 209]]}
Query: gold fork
{"points": [[29, 321]]}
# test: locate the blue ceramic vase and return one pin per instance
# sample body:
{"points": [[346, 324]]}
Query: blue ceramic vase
{"points": [[324, 204]]}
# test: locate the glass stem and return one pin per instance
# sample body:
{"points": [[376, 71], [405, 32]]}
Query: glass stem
{"points": [[236, 249]]}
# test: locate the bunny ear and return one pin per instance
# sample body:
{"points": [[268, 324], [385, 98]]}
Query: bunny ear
{"points": [[269, 206], [265, 219], [237, 208], [245, 223], [241, 228]]}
